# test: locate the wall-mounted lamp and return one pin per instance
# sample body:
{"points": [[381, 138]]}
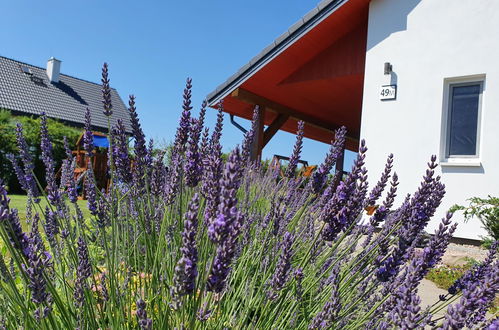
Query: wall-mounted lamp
{"points": [[388, 68]]}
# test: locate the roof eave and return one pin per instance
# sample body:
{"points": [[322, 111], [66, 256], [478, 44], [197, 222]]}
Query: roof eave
{"points": [[295, 32]]}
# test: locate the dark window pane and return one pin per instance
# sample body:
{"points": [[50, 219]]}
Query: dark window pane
{"points": [[464, 120]]}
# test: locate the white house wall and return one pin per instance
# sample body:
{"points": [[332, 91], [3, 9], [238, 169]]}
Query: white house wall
{"points": [[426, 42]]}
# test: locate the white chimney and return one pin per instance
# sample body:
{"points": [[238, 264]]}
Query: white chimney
{"points": [[53, 69]]}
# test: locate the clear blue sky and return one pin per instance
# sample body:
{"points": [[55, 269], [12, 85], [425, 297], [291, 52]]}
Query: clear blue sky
{"points": [[151, 47]]}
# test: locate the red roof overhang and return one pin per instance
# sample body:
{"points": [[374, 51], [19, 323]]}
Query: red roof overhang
{"points": [[318, 78]]}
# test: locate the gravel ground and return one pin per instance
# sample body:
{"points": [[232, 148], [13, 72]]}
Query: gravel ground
{"points": [[456, 254]]}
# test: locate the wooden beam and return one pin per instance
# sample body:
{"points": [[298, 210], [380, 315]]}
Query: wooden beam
{"points": [[274, 127], [249, 97]]}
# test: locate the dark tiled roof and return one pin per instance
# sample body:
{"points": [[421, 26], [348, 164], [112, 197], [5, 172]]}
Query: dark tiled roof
{"points": [[304, 24], [65, 100]]}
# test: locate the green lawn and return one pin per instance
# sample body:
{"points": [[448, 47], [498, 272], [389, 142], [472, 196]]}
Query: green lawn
{"points": [[19, 202]]}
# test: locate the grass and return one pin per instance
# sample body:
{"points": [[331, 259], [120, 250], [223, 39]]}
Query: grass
{"points": [[19, 202], [444, 276]]}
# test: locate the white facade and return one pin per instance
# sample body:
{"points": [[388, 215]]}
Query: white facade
{"points": [[431, 44]]}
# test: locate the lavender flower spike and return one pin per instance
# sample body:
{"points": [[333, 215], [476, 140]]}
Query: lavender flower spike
{"points": [[145, 323], [83, 271], [140, 148], [295, 156], [27, 160], [475, 299], [48, 160], [182, 133], [120, 153], [90, 190], [106, 92], [337, 147], [10, 220], [283, 265], [186, 270], [88, 137], [37, 260], [331, 309]]}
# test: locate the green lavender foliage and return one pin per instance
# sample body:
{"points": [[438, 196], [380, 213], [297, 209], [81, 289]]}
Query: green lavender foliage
{"points": [[130, 266], [486, 210]]}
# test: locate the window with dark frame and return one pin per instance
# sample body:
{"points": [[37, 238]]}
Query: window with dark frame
{"points": [[463, 119]]}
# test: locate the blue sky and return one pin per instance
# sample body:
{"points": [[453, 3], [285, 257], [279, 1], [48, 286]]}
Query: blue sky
{"points": [[151, 47]]}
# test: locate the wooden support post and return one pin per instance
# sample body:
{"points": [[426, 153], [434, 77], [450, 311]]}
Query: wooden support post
{"points": [[274, 127], [256, 148]]}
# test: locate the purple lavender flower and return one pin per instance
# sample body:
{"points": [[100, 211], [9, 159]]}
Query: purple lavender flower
{"points": [[106, 92], [403, 305], [29, 178], [4, 272], [140, 149], [51, 227], [325, 318], [83, 272], [211, 187], [19, 172], [475, 301], [217, 131], [90, 190], [343, 208], [68, 182], [494, 324], [158, 174], [295, 156], [203, 147], [145, 323], [120, 153], [187, 265], [381, 212], [381, 184], [10, 220], [298, 275], [220, 228], [283, 265], [183, 129], [173, 175], [37, 261], [88, 137], [193, 169], [224, 257], [249, 137], [476, 273], [337, 146], [103, 210], [48, 160], [226, 229]]}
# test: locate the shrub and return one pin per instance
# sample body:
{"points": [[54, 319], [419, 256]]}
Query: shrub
{"points": [[444, 276], [31, 126], [200, 242], [487, 211]]}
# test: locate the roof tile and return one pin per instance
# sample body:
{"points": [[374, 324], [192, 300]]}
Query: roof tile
{"points": [[66, 100]]}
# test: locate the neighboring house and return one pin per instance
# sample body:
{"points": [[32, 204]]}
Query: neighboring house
{"points": [[412, 77], [30, 90]]}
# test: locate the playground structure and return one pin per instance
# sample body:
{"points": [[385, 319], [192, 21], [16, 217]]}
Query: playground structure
{"points": [[99, 163], [304, 171]]}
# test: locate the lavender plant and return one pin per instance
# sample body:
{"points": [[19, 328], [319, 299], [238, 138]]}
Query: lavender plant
{"points": [[196, 242]]}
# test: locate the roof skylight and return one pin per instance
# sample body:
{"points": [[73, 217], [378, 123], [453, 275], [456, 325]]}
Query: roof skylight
{"points": [[26, 70]]}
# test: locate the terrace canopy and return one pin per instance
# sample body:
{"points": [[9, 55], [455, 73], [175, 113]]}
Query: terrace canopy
{"points": [[313, 72]]}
